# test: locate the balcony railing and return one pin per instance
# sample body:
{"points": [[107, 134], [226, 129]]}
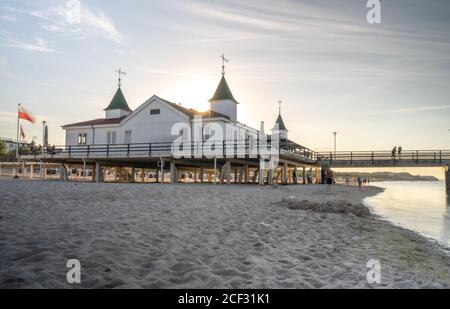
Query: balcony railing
{"points": [[225, 149]]}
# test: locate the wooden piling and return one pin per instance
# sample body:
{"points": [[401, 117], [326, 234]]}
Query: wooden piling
{"points": [[447, 181], [98, 172]]}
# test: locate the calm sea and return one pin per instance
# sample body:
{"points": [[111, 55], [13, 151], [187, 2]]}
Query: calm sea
{"points": [[420, 206]]}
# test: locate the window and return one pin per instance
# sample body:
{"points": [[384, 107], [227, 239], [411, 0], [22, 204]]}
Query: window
{"points": [[111, 138], [128, 137], [155, 111], [82, 139]]}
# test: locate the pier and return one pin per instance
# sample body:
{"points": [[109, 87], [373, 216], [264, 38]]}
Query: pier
{"points": [[123, 160], [237, 162], [408, 158]]}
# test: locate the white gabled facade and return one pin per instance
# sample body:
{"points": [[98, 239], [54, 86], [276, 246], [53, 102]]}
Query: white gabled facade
{"points": [[158, 120], [151, 122]]}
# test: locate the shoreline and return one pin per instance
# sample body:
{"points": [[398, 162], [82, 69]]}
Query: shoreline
{"points": [[426, 238], [204, 236]]}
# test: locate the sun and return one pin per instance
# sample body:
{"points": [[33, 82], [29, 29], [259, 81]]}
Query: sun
{"points": [[194, 93]]}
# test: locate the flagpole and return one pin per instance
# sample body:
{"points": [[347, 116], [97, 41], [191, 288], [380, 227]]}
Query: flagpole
{"points": [[18, 124]]}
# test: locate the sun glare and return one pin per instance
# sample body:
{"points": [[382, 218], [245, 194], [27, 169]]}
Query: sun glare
{"points": [[193, 93]]}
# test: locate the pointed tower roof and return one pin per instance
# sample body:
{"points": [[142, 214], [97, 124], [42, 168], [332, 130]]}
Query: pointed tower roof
{"points": [[118, 102], [223, 92], [280, 122]]}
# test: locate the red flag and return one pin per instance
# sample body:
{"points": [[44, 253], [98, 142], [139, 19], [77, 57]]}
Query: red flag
{"points": [[24, 114], [22, 134]]}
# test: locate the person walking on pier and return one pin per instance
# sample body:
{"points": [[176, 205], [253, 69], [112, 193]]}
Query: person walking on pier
{"points": [[400, 152], [394, 152]]}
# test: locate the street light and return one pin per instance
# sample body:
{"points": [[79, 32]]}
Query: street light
{"points": [[335, 133], [43, 135]]}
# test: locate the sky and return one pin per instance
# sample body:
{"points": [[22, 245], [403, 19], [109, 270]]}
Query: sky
{"points": [[377, 85]]}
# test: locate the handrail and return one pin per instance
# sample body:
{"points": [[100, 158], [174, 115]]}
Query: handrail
{"points": [[156, 148], [406, 156]]}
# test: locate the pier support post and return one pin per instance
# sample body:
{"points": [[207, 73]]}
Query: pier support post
{"points": [[173, 173], [228, 164], [133, 174], [447, 181], [98, 172], [261, 172], [285, 173], [270, 177], [31, 171], [202, 174], [162, 171], [63, 176], [255, 175]]}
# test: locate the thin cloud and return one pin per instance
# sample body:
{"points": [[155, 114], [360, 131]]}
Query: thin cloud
{"points": [[76, 19], [8, 116], [8, 18], [406, 110], [39, 46]]}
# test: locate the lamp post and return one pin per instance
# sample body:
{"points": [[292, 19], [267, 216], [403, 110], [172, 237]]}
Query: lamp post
{"points": [[335, 134], [43, 135]]}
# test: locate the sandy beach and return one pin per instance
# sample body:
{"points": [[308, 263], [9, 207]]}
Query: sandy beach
{"points": [[204, 236]]}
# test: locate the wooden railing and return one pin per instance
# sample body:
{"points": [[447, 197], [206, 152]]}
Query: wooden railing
{"points": [[417, 157], [166, 148]]}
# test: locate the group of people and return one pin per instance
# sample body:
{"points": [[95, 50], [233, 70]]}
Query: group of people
{"points": [[397, 150], [35, 150]]}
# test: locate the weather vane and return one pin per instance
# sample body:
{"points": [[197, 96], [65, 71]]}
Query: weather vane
{"points": [[120, 72], [279, 106], [223, 63]]}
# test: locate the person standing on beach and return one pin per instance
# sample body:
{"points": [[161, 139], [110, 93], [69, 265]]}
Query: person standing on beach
{"points": [[330, 177], [359, 182], [394, 152]]}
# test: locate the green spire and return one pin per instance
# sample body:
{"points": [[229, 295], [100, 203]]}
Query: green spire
{"points": [[118, 102], [281, 126], [223, 92]]}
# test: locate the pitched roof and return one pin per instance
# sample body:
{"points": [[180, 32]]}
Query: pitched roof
{"points": [[118, 102], [187, 111], [192, 112], [97, 122], [280, 123], [223, 92]]}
